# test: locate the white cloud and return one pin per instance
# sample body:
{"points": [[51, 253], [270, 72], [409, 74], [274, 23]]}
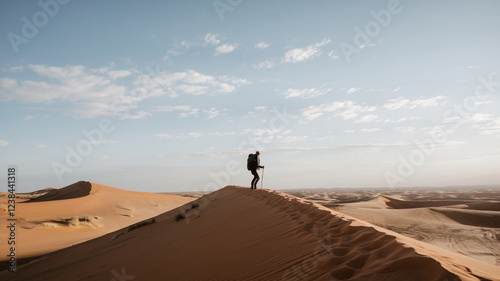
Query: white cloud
{"points": [[362, 147], [192, 134], [407, 130], [487, 124], [300, 55], [313, 112], [332, 54], [185, 44], [17, 68], [269, 135], [346, 110], [212, 39], [367, 118], [71, 83], [433, 130], [179, 136], [400, 120], [100, 109], [370, 130], [234, 80], [211, 113], [164, 136], [426, 102], [262, 135], [225, 49], [261, 45], [188, 82], [98, 92], [490, 128], [352, 90], [396, 103], [66, 72], [401, 103], [178, 49], [264, 64], [306, 53], [304, 93], [139, 115], [183, 110], [480, 117], [115, 74], [288, 139], [322, 43], [222, 134], [41, 146], [4, 143]]}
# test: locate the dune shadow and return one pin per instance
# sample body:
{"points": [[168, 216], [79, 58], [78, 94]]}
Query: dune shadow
{"points": [[76, 190], [407, 204]]}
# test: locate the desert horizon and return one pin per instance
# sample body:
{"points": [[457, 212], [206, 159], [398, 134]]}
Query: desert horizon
{"points": [[90, 231]]}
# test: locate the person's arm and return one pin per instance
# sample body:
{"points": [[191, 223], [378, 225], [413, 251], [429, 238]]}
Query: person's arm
{"points": [[258, 163]]}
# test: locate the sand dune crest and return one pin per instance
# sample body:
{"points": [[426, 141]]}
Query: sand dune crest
{"points": [[79, 189]]}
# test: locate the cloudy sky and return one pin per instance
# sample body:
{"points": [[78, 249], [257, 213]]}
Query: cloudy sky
{"points": [[173, 95]]}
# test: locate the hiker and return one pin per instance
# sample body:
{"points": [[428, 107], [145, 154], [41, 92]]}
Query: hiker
{"points": [[253, 164]]}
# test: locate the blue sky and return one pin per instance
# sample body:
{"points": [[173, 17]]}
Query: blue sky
{"points": [[173, 95]]}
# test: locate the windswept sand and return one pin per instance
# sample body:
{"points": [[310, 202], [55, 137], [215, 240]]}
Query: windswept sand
{"points": [[462, 220], [242, 234], [82, 211]]}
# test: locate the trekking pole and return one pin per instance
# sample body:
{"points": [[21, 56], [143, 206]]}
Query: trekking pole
{"points": [[262, 182]]}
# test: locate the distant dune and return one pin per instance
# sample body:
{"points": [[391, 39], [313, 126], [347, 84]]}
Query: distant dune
{"points": [[79, 212], [75, 190], [467, 226], [241, 234]]}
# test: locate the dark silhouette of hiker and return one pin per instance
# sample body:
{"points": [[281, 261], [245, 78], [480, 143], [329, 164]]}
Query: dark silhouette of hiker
{"points": [[253, 164]]}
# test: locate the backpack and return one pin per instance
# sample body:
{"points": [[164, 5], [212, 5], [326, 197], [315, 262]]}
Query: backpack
{"points": [[252, 161]]}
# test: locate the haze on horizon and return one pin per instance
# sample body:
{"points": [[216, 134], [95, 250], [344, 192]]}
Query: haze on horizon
{"points": [[172, 96]]}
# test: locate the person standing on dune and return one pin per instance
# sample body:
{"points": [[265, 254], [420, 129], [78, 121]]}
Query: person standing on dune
{"points": [[253, 165]]}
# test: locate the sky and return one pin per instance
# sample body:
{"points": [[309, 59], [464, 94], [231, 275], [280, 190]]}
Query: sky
{"points": [[166, 96]]}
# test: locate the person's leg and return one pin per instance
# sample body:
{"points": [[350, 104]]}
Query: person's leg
{"points": [[255, 178]]}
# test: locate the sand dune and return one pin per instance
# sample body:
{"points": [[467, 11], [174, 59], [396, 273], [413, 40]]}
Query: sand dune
{"points": [[64, 217], [75, 190], [459, 225], [407, 204], [241, 234], [479, 218]]}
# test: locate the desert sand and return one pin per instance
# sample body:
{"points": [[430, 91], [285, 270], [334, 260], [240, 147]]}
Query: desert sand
{"points": [[240, 234], [462, 220], [60, 218]]}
